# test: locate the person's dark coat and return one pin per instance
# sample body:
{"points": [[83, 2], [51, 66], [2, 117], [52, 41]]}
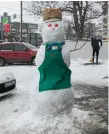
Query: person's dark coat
{"points": [[95, 43]]}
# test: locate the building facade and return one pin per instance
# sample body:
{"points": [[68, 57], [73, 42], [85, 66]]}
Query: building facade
{"points": [[29, 33]]}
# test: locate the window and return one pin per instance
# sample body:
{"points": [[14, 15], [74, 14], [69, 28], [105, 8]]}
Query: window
{"points": [[19, 47], [8, 47], [33, 26], [29, 46]]}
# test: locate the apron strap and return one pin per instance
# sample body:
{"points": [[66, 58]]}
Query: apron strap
{"points": [[59, 45]]}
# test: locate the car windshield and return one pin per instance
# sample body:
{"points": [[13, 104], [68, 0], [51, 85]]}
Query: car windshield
{"points": [[29, 46]]}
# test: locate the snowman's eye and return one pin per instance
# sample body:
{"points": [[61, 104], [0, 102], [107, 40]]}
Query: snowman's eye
{"points": [[56, 25], [49, 25]]}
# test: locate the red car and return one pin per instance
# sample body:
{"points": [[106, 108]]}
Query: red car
{"points": [[17, 52]]}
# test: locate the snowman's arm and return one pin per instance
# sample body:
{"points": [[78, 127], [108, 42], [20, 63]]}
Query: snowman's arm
{"points": [[66, 56], [40, 56]]}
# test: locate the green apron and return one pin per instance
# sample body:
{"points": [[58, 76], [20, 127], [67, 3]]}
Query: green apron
{"points": [[54, 73]]}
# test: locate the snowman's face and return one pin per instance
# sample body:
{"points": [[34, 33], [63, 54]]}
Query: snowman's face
{"points": [[53, 31]]}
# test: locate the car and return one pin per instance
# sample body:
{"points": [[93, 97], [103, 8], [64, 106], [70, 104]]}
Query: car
{"points": [[17, 52], [7, 83]]}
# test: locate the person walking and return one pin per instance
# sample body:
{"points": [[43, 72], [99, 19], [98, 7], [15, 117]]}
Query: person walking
{"points": [[96, 47]]}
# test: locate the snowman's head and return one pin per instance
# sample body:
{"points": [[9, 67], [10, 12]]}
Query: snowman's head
{"points": [[52, 28], [53, 31]]}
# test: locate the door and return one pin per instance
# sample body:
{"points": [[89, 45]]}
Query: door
{"points": [[21, 54], [7, 52]]}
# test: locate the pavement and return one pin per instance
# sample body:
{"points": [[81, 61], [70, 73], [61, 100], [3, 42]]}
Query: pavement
{"points": [[93, 99]]}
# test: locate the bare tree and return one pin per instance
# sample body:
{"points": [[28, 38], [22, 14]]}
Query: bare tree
{"points": [[69, 32], [79, 14], [82, 11], [36, 7], [76, 43]]}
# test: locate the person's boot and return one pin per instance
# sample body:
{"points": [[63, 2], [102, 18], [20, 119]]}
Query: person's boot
{"points": [[92, 60]]}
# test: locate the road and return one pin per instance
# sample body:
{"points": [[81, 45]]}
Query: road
{"points": [[86, 51]]}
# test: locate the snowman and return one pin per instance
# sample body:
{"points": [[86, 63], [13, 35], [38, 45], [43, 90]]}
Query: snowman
{"points": [[52, 93]]}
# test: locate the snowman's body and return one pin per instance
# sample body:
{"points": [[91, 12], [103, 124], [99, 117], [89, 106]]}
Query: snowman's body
{"points": [[51, 102]]}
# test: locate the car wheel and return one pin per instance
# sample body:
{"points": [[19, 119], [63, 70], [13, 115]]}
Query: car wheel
{"points": [[33, 61], [2, 62]]}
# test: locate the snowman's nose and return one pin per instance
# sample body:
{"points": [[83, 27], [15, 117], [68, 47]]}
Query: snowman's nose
{"points": [[53, 28]]}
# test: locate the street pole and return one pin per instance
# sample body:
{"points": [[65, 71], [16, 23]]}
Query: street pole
{"points": [[1, 28], [21, 3]]}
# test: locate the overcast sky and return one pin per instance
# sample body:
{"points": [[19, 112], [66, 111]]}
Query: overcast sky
{"points": [[10, 7]]}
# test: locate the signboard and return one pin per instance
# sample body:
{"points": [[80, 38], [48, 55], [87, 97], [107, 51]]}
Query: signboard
{"points": [[5, 25], [4, 20], [7, 28]]}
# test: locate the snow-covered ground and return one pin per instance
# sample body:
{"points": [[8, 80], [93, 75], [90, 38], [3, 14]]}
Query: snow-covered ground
{"points": [[15, 112], [87, 73]]}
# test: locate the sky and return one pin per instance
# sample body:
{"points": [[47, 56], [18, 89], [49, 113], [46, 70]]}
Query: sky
{"points": [[13, 7], [10, 7]]}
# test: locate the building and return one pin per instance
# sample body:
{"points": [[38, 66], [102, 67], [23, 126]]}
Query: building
{"points": [[29, 30]]}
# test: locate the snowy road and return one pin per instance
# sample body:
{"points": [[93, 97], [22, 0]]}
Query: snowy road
{"points": [[90, 111], [12, 105], [86, 51]]}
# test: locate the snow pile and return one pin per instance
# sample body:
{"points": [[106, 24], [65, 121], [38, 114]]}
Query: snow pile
{"points": [[23, 123], [23, 75], [89, 74], [59, 124]]}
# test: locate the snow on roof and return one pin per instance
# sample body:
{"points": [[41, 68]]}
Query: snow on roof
{"points": [[37, 31]]}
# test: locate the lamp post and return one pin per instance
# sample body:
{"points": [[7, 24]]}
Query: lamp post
{"points": [[21, 4]]}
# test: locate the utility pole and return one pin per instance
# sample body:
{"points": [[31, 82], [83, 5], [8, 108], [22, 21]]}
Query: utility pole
{"points": [[21, 4]]}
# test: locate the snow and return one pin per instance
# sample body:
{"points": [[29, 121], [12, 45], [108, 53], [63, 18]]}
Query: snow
{"points": [[18, 118], [89, 74], [81, 115]]}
